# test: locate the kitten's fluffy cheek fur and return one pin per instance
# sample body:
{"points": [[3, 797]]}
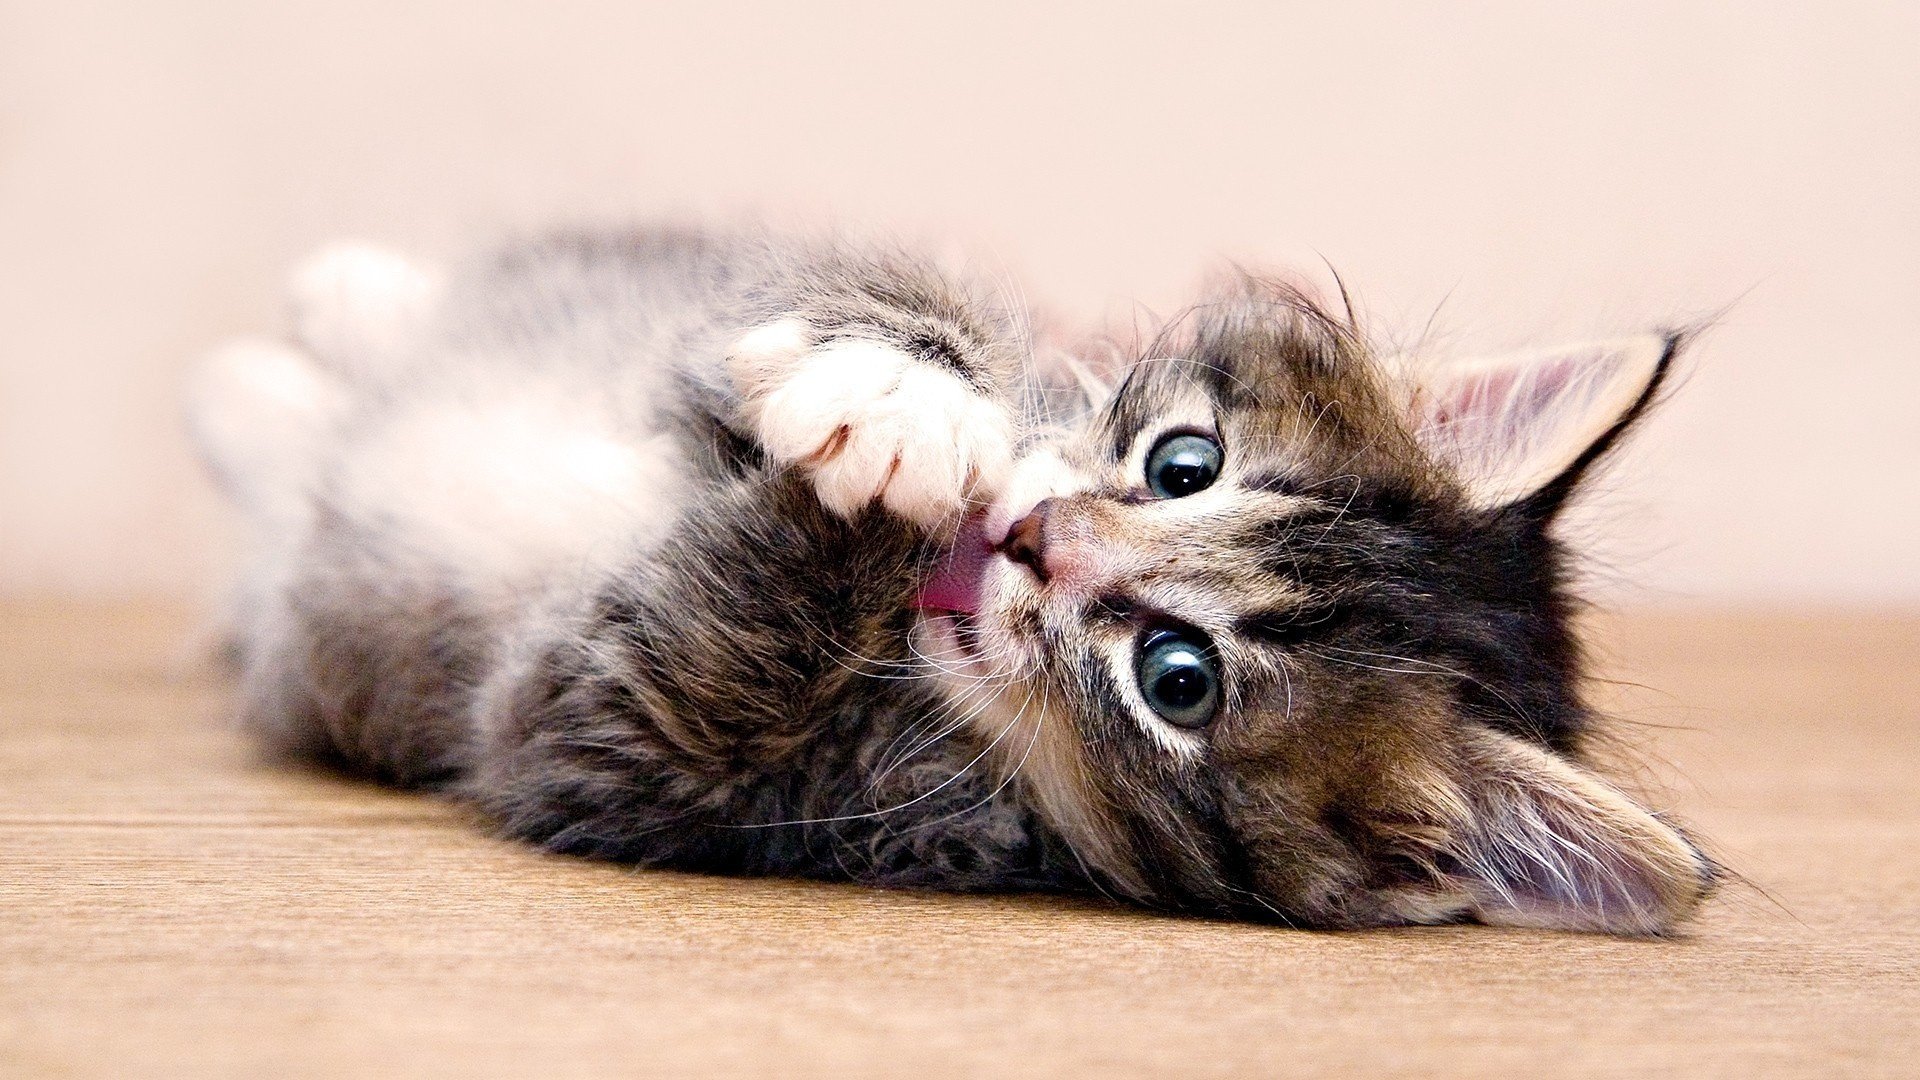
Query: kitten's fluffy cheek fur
{"points": [[872, 424], [1028, 731]]}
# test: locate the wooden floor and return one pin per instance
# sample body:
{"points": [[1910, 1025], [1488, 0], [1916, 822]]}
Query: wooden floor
{"points": [[168, 906]]}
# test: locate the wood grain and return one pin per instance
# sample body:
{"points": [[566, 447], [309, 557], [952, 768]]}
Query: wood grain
{"points": [[169, 906]]}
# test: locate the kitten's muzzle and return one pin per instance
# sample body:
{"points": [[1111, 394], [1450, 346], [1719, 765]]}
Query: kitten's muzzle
{"points": [[1026, 541], [1059, 541]]}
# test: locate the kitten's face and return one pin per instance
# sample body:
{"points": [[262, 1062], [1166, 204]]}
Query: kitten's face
{"points": [[1254, 649]]}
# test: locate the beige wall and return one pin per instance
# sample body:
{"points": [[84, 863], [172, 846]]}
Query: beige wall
{"points": [[1549, 171]]}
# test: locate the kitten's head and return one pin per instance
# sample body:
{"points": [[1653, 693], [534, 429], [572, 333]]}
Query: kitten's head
{"points": [[1283, 630]]}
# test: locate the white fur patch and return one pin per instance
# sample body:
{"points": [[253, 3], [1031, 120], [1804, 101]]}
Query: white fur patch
{"points": [[358, 304], [505, 490], [259, 410], [872, 423]]}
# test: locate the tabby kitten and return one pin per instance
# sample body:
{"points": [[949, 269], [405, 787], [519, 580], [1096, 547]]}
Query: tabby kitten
{"points": [[770, 556]]}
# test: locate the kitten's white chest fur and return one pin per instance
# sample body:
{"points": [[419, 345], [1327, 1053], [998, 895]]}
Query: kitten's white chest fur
{"points": [[514, 484], [502, 476]]}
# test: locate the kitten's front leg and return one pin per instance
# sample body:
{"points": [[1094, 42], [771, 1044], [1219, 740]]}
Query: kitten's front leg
{"points": [[869, 422]]}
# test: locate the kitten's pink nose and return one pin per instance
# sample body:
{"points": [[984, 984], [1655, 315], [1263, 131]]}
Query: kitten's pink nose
{"points": [[1026, 542]]}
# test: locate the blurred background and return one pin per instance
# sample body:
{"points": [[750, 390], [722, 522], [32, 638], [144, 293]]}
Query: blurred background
{"points": [[1545, 170]]}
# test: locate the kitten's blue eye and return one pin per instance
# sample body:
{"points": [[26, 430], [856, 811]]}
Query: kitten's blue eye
{"points": [[1178, 678], [1182, 464]]}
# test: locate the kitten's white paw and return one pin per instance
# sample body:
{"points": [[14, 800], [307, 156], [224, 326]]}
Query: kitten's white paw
{"points": [[260, 412], [356, 303], [871, 423]]}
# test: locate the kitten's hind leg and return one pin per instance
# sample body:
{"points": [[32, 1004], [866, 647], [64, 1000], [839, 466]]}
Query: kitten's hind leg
{"points": [[870, 423], [260, 413], [259, 410], [358, 306]]}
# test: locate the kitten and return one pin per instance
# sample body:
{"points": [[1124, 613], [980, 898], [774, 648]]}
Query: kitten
{"points": [[768, 556]]}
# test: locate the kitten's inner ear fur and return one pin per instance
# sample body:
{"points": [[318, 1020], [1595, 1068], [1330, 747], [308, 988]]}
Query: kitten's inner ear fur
{"points": [[1526, 426], [1527, 838]]}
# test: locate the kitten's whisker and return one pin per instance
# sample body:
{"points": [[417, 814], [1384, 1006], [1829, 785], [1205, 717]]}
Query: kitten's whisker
{"points": [[1015, 771], [960, 716], [931, 719], [1214, 368], [954, 668], [962, 703], [1338, 515], [1306, 402], [922, 797], [848, 651], [1286, 675], [868, 673]]}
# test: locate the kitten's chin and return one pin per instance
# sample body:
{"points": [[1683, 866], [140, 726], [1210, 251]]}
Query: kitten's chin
{"points": [[950, 641]]}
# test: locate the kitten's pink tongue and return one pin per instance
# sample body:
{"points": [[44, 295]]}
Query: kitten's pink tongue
{"points": [[955, 585]]}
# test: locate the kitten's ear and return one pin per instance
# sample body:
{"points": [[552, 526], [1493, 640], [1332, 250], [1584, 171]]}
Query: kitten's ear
{"points": [[1522, 429], [1539, 841]]}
